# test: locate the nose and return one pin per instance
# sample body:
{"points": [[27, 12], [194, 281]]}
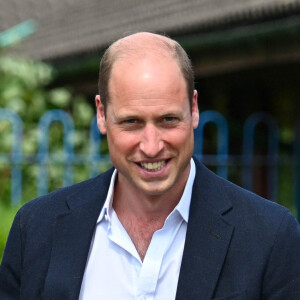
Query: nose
{"points": [[151, 142]]}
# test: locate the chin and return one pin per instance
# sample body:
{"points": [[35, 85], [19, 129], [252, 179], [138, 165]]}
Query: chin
{"points": [[155, 190]]}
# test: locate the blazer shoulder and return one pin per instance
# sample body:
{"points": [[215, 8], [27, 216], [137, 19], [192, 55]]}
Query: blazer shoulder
{"points": [[236, 203], [55, 202]]}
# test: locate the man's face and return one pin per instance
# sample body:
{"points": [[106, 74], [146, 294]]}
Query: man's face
{"points": [[149, 124]]}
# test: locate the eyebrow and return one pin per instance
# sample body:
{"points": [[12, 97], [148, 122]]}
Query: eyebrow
{"points": [[126, 117], [138, 116], [171, 113]]}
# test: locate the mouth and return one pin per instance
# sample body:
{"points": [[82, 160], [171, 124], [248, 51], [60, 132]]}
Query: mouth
{"points": [[153, 166]]}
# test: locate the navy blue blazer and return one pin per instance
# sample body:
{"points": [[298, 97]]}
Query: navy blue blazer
{"points": [[238, 245]]}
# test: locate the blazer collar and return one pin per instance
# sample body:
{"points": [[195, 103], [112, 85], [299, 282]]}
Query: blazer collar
{"points": [[207, 239], [72, 234]]}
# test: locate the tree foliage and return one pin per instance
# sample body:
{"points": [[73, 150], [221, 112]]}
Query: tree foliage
{"points": [[24, 89]]}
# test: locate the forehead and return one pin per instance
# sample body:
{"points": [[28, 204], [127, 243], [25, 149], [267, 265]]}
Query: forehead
{"points": [[145, 72], [147, 85]]}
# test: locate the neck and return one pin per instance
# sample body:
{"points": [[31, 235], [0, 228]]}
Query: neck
{"points": [[142, 214], [132, 203], [147, 208]]}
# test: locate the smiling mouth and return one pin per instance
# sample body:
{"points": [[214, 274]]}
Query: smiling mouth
{"points": [[155, 166]]}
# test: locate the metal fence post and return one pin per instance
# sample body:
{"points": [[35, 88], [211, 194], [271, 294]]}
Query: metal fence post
{"points": [[43, 148], [16, 153], [297, 169], [95, 140], [248, 151], [223, 139]]}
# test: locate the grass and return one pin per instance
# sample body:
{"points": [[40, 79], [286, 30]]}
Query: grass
{"points": [[7, 215]]}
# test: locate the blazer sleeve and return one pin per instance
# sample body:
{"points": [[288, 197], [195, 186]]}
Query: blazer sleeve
{"points": [[11, 266], [282, 275]]}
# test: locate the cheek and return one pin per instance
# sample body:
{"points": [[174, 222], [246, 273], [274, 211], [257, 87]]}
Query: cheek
{"points": [[121, 141], [179, 138]]}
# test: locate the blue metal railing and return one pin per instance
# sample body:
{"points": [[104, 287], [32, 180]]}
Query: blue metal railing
{"points": [[297, 168], [95, 141], [210, 116], [43, 148], [222, 160], [16, 153], [272, 157]]}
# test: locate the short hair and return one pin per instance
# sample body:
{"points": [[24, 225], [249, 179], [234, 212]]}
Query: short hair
{"points": [[122, 48]]}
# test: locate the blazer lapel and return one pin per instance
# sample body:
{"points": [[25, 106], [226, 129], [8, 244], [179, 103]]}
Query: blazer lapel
{"points": [[72, 235], [207, 239]]}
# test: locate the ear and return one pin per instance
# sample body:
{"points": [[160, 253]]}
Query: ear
{"points": [[195, 110], [101, 121]]}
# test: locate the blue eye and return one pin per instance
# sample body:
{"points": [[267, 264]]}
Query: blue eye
{"points": [[130, 121], [170, 119]]}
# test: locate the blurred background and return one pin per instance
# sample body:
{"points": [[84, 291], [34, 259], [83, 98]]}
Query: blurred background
{"points": [[246, 57]]}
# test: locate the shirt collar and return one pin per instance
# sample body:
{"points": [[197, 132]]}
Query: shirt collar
{"points": [[107, 207], [182, 207]]}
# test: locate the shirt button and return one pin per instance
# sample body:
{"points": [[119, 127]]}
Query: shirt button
{"points": [[106, 217]]}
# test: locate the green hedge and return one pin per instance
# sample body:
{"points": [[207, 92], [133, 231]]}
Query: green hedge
{"points": [[7, 215]]}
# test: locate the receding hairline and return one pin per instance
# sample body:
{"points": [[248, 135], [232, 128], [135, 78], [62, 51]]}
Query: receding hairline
{"points": [[142, 42], [144, 45]]}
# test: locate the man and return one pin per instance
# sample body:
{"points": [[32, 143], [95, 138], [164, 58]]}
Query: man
{"points": [[160, 225]]}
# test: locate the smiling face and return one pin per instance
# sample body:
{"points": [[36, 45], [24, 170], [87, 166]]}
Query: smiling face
{"points": [[149, 124]]}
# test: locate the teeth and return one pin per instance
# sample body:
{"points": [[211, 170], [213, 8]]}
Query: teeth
{"points": [[156, 166]]}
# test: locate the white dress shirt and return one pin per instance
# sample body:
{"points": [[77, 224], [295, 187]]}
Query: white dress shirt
{"points": [[114, 270]]}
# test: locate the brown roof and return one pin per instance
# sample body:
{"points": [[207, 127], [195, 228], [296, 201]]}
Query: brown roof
{"points": [[71, 27]]}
